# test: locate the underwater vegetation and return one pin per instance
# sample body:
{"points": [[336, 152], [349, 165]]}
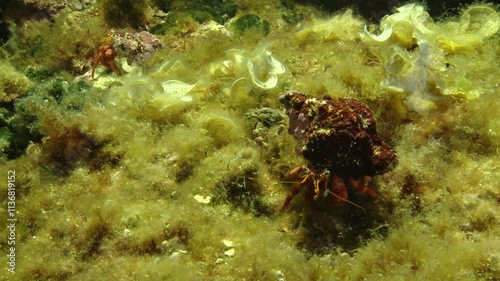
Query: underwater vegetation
{"points": [[160, 139], [199, 10], [429, 71], [252, 21], [123, 13]]}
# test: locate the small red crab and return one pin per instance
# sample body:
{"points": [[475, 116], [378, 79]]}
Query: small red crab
{"points": [[107, 56], [339, 140]]}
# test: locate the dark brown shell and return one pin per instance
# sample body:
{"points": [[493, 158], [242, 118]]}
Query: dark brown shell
{"points": [[339, 135]]}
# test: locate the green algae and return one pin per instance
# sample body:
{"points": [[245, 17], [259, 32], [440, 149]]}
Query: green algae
{"points": [[251, 21], [202, 10], [199, 10], [107, 176], [123, 13]]}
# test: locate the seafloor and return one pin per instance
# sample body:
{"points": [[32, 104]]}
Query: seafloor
{"points": [[171, 162]]}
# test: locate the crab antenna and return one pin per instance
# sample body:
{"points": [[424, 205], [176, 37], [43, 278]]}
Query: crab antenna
{"points": [[290, 181], [345, 200]]}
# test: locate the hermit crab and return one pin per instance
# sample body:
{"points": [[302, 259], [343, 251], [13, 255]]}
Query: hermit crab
{"points": [[339, 141]]}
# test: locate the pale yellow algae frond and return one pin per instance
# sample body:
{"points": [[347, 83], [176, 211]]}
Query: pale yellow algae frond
{"points": [[176, 170], [420, 56]]}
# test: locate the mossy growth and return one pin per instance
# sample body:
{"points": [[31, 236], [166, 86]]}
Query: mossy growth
{"points": [[243, 192], [289, 14], [124, 13], [221, 129], [201, 10], [21, 117], [252, 21], [5, 134], [57, 89], [13, 84], [159, 29], [34, 48], [179, 23], [16, 137]]}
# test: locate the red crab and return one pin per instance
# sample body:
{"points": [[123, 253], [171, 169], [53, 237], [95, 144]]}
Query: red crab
{"points": [[107, 56], [339, 140]]}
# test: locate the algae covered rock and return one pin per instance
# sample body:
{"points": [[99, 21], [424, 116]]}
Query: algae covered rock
{"points": [[123, 13], [13, 84], [222, 129], [269, 117], [251, 21], [201, 10], [137, 46]]}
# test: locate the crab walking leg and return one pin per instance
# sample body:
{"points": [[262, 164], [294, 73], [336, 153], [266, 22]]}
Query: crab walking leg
{"points": [[310, 194], [316, 189], [296, 189], [97, 60], [338, 190], [295, 172], [361, 188], [115, 69]]}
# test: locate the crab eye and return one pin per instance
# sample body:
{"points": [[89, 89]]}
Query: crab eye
{"points": [[325, 193]]}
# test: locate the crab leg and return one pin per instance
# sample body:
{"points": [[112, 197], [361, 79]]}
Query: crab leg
{"points": [[97, 60], [296, 189], [361, 188], [338, 189]]}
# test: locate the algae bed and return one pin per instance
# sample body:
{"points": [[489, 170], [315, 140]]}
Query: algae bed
{"points": [[176, 169]]}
